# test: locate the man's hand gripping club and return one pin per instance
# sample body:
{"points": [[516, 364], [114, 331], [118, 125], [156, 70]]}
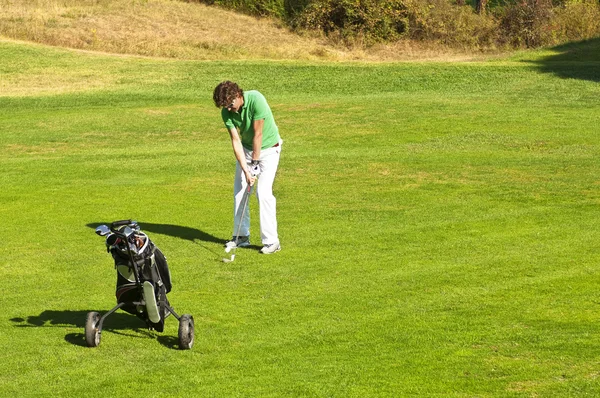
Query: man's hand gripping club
{"points": [[251, 171]]}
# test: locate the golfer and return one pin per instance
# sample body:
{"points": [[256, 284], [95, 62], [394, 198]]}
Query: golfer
{"points": [[257, 146]]}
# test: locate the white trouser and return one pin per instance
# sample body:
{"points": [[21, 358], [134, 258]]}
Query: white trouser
{"points": [[269, 161]]}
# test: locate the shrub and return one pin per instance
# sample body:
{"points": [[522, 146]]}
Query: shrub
{"points": [[577, 20], [526, 23], [368, 20], [450, 24], [260, 8], [294, 7]]}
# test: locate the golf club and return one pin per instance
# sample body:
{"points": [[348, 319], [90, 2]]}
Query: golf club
{"points": [[237, 235]]}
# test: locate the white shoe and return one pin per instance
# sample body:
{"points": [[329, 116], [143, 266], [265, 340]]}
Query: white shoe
{"points": [[270, 249], [242, 241]]}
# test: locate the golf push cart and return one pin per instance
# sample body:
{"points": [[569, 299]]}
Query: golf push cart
{"points": [[143, 281]]}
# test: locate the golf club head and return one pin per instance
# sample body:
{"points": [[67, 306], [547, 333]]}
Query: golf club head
{"points": [[229, 260], [127, 232], [102, 230]]}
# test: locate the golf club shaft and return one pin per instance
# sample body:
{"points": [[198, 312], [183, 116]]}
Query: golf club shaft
{"points": [[245, 200]]}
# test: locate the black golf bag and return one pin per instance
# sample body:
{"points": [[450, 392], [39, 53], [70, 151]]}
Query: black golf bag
{"points": [[152, 266], [143, 281]]}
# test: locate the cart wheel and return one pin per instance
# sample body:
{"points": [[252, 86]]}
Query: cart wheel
{"points": [[186, 332], [92, 334]]}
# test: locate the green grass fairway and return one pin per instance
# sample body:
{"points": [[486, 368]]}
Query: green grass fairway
{"points": [[439, 224]]}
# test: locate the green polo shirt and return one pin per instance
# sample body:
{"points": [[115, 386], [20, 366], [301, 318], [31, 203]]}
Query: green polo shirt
{"points": [[255, 108]]}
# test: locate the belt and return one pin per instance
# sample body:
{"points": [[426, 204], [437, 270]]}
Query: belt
{"points": [[276, 145]]}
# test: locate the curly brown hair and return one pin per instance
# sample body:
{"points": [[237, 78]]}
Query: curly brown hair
{"points": [[225, 93]]}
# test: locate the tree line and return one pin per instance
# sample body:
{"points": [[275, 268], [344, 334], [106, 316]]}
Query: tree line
{"points": [[468, 24]]}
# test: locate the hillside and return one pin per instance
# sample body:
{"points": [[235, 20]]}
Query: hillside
{"points": [[174, 29]]}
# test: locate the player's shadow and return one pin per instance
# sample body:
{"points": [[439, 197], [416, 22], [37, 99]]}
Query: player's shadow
{"points": [[118, 323], [177, 231], [580, 60]]}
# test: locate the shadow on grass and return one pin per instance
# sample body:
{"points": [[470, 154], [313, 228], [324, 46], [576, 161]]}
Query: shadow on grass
{"points": [[119, 323], [579, 60], [177, 231], [194, 235]]}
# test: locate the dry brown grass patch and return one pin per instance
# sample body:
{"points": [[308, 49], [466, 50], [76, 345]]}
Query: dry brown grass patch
{"points": [[175, 29]]}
